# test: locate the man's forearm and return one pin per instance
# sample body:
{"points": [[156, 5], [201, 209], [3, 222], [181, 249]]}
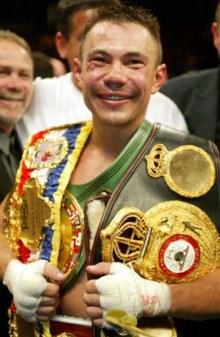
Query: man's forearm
{"points": [[199, 299], [6, 253]]}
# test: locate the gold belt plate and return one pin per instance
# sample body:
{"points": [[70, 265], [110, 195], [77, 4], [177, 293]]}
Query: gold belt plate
{"points": [[188, 170], [173, 241]]}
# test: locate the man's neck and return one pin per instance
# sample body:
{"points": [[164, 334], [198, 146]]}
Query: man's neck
{"points": [[6, 129], [112, 139]]}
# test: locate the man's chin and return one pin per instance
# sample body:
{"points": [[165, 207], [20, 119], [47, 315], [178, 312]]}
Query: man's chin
{"points": [[9, 119]]}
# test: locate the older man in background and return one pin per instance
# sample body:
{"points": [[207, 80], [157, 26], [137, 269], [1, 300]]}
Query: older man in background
{"points": [[16, 78], [197, 94]]}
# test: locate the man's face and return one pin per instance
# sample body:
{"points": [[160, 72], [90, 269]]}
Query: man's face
{"points": [[69, 49], [16, 77], [118, 72]]}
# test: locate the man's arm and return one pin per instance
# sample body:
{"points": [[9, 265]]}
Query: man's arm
{"points": [[35, 286], [199, 299], [165, 111], [6, 253]]}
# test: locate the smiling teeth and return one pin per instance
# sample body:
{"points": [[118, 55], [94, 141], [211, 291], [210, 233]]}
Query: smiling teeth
{"points": [[116, 98], [14, 98]]}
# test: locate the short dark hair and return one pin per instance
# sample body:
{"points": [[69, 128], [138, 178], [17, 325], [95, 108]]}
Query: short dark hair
{"points": [[125, 13], [67, 8], [42, 65], [217, 12]]}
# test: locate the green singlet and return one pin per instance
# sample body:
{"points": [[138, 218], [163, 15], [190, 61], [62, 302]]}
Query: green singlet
{"points": [[108, 179]]}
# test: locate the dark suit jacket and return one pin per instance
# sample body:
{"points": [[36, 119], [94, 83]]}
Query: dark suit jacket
{"points": [[197, 96], [6, 183]]}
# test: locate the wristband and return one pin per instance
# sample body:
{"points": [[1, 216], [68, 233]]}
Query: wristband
{"points": [[26, 283], [124, 289]]}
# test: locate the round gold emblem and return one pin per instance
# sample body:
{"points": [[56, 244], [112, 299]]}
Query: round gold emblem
{"points": [[188, 170], [179, 255], [172, 242]]}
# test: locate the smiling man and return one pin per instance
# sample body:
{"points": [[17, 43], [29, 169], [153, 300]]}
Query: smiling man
{"points": [[115, 86], [16, 76], [119, 190]]}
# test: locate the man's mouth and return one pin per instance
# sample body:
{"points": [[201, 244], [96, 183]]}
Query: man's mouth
{"points": [[115, 98], [12, 98]]}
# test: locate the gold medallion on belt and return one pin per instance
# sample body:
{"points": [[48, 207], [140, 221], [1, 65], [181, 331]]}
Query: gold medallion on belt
{"points": [[188, 170], [172, 242]]}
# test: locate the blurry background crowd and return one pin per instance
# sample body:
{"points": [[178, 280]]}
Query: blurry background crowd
{"points": [[185, 29]]}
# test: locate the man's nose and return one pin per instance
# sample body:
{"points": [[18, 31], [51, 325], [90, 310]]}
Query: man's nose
{"points": [[116, 74], [14, 82]]}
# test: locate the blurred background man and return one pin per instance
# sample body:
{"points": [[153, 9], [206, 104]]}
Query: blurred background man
{"points": [[16, 78], [198, 94]]}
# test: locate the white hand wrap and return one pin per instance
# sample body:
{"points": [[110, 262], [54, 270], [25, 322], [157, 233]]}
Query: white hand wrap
{"points": [[124, 289], [26, 283]]}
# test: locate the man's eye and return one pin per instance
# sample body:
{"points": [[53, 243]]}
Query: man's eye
{"points": [[25, 76], [99, 59], [134, 61], [3, 72]]}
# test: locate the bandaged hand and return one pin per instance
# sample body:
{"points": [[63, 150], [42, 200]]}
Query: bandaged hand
{"points": [[28, 284], [124, 289]]}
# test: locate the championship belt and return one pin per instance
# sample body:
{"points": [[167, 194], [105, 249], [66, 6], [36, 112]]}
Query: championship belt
{"points": [[173, 241], [43, 220]]}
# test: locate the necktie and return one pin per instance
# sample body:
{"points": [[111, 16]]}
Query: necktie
{"points": [[14, 155]]}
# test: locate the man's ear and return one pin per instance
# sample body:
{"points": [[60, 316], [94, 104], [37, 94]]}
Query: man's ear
{"points": [[60, 42], [77, 68], [159, 78], [215, 35]]}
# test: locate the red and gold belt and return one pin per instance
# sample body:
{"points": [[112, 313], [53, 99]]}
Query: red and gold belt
{"points": [[62, 326]]}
